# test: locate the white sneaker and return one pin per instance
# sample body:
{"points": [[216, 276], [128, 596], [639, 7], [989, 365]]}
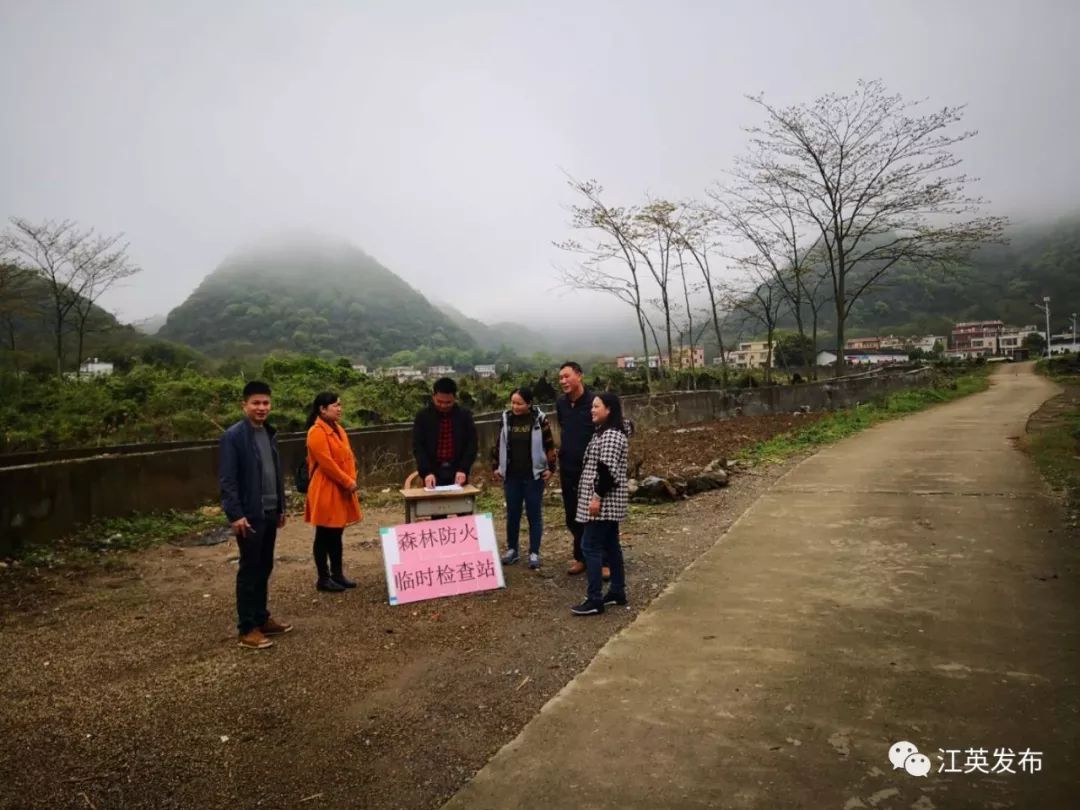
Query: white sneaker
{"points": [[534, 561]]}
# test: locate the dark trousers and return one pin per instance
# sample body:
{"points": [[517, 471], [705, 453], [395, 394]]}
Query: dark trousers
{"points": [[569, 481], [530, 492], [328, 547], [253, 575], [601, 547]]}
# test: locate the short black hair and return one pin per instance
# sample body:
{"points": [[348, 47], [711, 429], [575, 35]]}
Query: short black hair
{"points": [[571, 364], [445, 385], [255, 387], [525, 393]]}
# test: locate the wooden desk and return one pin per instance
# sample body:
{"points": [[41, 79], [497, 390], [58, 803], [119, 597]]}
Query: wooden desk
{"points": [[426, 503]]}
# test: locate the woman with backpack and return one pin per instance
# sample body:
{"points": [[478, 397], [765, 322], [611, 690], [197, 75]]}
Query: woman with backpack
{"points": [[332, 502], [523, 459]]}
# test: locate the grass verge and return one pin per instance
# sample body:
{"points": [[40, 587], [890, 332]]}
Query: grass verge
{"points": [[105, 537], [1054, 437], [840, 424]]}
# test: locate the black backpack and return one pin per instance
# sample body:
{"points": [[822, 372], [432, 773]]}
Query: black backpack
{"points": [[301, 478]]}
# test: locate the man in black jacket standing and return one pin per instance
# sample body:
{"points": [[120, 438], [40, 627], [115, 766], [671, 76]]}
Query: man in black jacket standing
{"points": [[574, 409], [253, 499], [444, 438]]}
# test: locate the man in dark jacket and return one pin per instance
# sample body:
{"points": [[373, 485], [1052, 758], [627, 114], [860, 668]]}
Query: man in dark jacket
{"points": [[253, 498], [574, 410], [444, 438]]}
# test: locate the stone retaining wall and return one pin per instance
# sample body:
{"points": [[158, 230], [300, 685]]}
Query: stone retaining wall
{"points": [[41, 498]]}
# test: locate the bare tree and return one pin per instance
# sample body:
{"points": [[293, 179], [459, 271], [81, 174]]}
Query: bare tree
{"points": [[687, 328], [874, 181], [608, 263], [815, 284], [658, 231], [77, 266], [698, 236], [760, 212], [103, 262], [761, 301], [15, 303]]}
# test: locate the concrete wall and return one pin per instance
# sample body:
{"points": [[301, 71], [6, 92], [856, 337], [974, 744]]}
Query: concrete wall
{"points": [[49, 498]]}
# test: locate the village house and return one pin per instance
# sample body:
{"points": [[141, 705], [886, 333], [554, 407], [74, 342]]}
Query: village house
{"points": [[862, 344], [750, 354], [402, 373], [628, 362], [95, 368], [688, 357]]}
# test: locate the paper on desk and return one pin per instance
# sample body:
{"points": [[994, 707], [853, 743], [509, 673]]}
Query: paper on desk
{"points": [[448, 488]]}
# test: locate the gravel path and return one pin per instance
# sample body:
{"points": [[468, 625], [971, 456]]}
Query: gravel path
{"points": [[125, 688]]}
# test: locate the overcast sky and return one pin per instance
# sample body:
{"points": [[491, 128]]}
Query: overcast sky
{"points": [[434, 135]]}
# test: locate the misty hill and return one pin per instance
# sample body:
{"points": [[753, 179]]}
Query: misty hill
{"points": [[27, 323], [151, 325], [494, 336], [313, 297], [1003, 282], [609, 333]]}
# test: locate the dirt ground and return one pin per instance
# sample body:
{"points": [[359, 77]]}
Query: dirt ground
{"points": [[125, 687]]}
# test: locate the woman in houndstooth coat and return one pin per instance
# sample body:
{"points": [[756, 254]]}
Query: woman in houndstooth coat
{"points": [[603, 502]]}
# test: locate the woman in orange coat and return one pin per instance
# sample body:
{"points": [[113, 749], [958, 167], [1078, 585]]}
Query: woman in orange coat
{"points": [[332, 502]]}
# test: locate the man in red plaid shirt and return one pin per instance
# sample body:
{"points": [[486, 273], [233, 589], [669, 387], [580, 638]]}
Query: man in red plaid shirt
{"points": [[444, 438]]}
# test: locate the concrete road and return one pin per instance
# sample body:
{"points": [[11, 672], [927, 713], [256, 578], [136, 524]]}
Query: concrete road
{"points": [[912, 583]]}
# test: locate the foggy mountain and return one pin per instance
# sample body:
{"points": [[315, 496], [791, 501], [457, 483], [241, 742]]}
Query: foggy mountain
{"points": [[312, 296]]}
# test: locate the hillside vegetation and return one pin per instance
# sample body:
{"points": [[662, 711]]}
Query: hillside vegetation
{"points": [[317, 298], [1002, 282]]}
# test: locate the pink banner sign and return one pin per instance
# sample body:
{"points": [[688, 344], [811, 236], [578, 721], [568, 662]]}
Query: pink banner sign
{"points": [[441, 558]]}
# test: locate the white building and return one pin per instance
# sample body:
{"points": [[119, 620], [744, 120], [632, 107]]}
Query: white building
{"points": [[629, 362], [484, 371], [440, 371], [95, 368], [753, 354], [360, 367], [867, 357], [927, 344], [1064, 344], [402, 373]]}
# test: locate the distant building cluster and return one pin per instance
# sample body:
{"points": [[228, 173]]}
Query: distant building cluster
{"points": [[407, 373], [968, 340], [685, 358]]}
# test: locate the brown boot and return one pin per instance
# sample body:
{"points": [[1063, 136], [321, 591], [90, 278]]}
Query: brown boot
{"points": [[273, 628], [255, 640], [577, 568]]}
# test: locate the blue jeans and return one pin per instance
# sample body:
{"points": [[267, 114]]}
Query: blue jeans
{"points": [[600, 543], [531, 491]]}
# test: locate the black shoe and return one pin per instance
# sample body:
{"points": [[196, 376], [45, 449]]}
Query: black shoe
{"points": [[588, 608], [343, 580], [329, 584], [614, 598]]}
